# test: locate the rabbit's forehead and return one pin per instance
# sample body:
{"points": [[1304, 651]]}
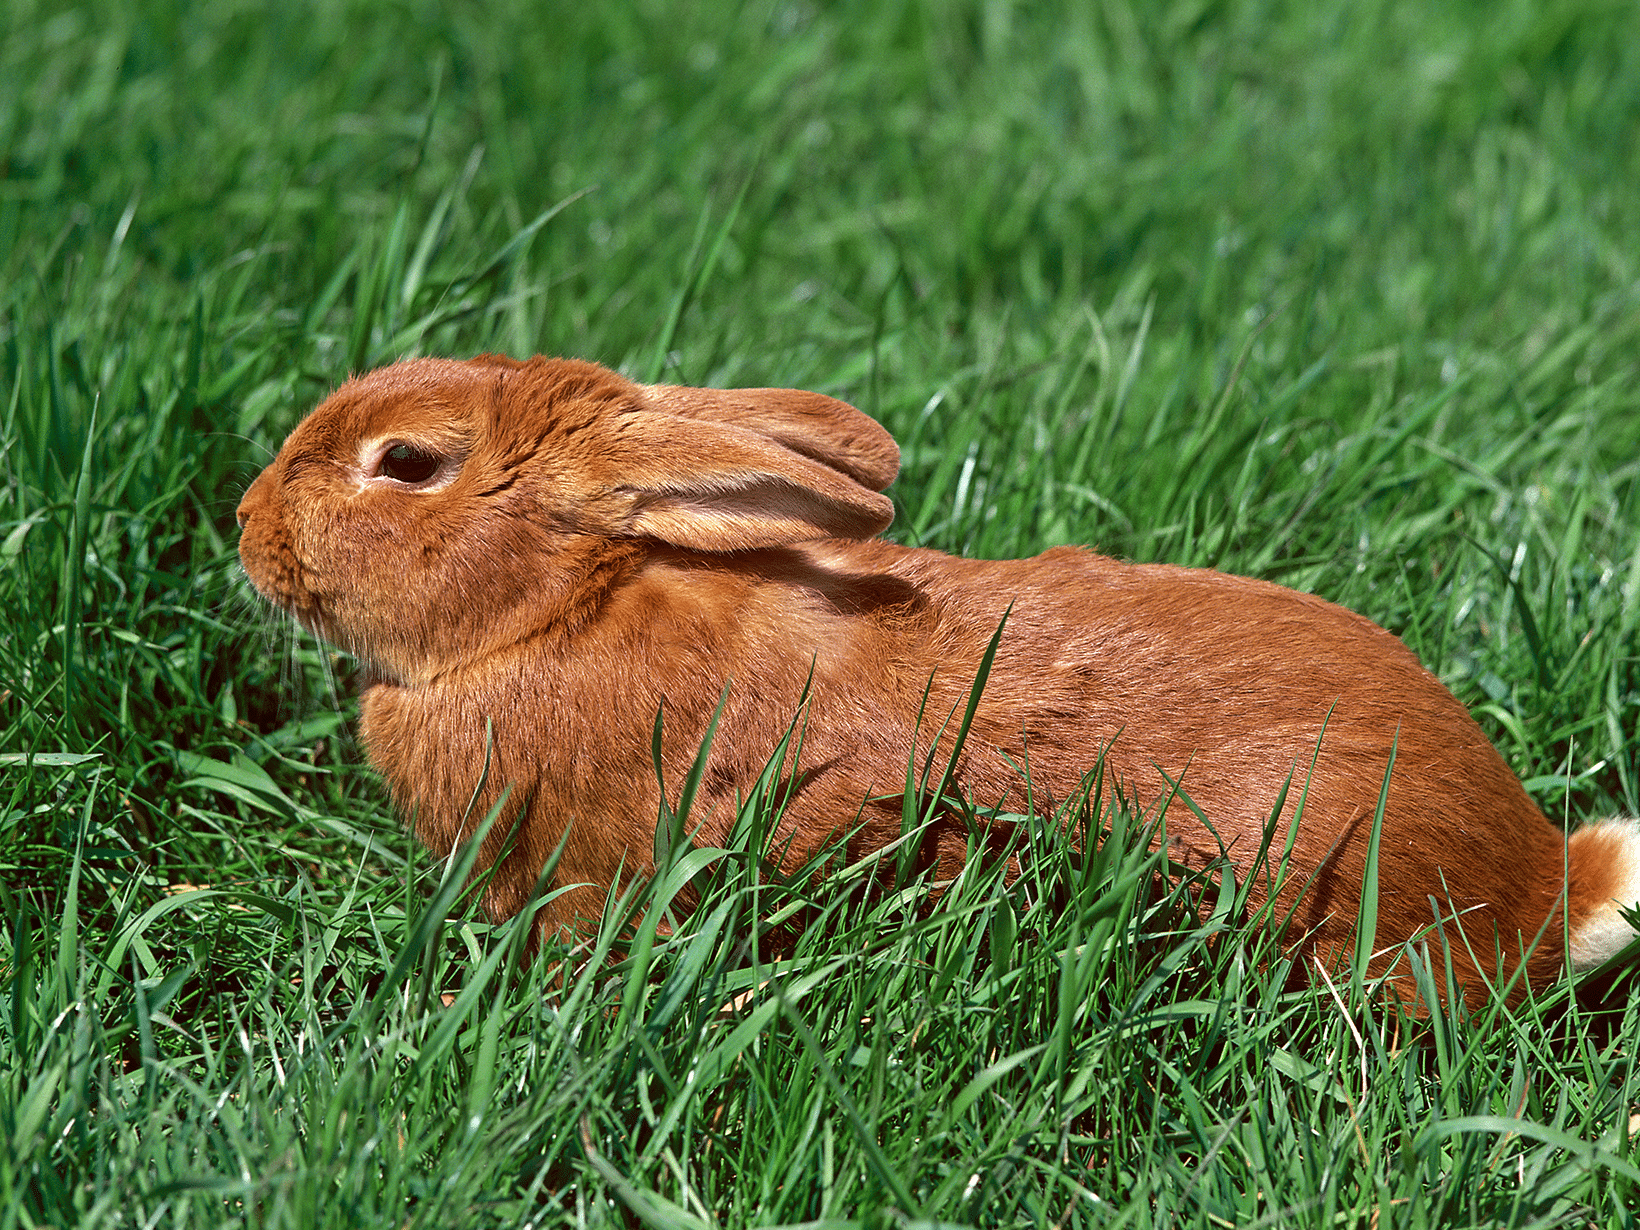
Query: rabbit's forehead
{"points": [[432, 418], [362, 413], [460, 407], [448, 397]]}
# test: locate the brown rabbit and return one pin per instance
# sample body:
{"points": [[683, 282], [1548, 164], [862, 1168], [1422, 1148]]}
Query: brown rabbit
{"points": [[551, 552]]}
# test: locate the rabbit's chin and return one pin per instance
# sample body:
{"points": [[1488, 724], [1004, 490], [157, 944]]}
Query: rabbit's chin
{"points": [[373, 675], [301, 608], [310, 617]]}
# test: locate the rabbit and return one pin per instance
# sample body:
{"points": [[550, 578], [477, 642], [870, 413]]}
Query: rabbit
{"points": [[530, 559]]}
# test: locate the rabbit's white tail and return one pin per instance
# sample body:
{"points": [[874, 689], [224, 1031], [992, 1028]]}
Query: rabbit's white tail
{"points": [[1604, 860]]}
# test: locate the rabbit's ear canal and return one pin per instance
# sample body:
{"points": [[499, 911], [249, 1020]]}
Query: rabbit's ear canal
{"points": [[829, 431], [713, 487]]}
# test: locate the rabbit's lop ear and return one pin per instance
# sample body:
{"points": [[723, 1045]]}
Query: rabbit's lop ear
{"points": [[829, 431], [715, 486]]}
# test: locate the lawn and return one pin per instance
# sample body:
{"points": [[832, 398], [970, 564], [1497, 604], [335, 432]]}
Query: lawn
{"points": [[1346, 296]]}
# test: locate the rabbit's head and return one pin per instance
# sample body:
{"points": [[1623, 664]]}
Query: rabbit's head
{"points": [[432, 510]]}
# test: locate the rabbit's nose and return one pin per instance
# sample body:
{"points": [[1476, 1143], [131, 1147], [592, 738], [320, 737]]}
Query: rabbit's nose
{"points": [[254, 495]]}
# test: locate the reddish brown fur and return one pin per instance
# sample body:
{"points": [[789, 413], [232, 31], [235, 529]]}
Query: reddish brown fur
{"points": [[605, 550]]}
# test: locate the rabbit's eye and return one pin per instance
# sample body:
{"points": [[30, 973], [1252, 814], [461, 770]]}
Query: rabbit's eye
{"points": [[408, 464]]}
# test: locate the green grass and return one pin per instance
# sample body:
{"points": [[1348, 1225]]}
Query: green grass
{"points": [[1342, 295]]}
